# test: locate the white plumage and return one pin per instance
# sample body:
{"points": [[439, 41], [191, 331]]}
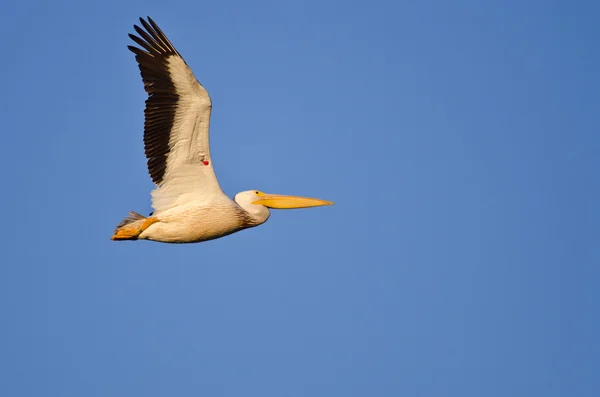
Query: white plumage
{"points": [[188, 201]]}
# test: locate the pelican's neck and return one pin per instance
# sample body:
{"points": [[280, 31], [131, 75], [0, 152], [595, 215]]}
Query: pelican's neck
{"points": [[257, 214]]}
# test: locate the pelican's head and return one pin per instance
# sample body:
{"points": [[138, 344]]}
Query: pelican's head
{"points": [[258, 203]]}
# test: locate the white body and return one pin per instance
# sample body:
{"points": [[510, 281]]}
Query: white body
{"points": [[188, 201], [195, 222]]}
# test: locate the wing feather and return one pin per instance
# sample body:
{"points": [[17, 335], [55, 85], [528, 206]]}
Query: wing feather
{"points": [[177, 118]]}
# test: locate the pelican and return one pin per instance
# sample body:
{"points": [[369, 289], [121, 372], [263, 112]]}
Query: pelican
{"points": [[189, 205]]}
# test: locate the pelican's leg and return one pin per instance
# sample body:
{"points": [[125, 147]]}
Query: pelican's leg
{"points": [[131, 230]]}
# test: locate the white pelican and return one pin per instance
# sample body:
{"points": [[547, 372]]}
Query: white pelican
{"points": [[189, 205]]}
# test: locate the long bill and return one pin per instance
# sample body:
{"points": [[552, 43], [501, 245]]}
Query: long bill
{"points": [[280, 201]]}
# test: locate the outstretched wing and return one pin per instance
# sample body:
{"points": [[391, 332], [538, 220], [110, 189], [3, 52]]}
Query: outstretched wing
{"points": [[176, 128]]}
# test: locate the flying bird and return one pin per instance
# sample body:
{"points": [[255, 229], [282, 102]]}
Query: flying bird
{"points": [[189, 205]]}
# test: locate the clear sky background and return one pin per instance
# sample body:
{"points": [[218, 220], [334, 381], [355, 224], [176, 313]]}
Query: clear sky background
{"points": [[459, 141]]}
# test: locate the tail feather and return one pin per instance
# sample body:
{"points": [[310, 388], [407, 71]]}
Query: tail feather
{"points": [[132, 226], [133, 216]]}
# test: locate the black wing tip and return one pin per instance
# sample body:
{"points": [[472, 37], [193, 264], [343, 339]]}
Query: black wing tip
{"points": [[148, 19], [153, 38], [137, 51]]}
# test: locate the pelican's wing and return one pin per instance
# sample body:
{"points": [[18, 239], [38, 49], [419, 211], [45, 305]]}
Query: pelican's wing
{"points": [[177, 122]]}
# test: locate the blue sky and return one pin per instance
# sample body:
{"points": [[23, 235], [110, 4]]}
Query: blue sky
{"points": [[459, 141]]}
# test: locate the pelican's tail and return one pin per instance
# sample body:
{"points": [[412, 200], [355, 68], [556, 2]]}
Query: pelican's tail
{"points": [[132, 226]]}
